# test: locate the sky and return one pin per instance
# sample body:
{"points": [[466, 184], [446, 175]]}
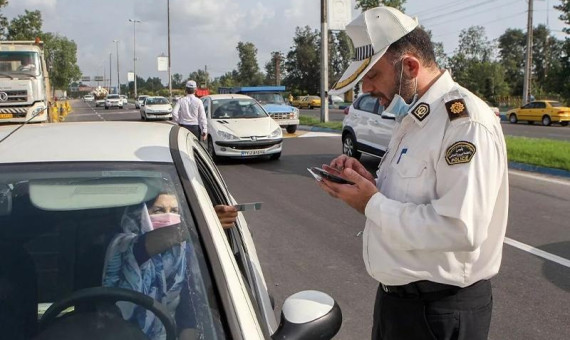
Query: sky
{"points": [[205, 33]]}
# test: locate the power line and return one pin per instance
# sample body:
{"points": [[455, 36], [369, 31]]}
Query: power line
{"points": [[482, 24], [447, 5], [458, 10], [473, 14]]}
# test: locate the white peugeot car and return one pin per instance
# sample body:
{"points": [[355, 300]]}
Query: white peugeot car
{"points": [[84, 254], [156, 108], [239, 127]]}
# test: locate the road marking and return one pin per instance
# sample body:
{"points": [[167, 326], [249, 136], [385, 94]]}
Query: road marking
{"points": [[320, 134], [541, 253], [538, 177]]}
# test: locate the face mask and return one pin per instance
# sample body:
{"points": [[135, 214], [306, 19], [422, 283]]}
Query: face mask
{"points": [[164, 220], [398, 106]]}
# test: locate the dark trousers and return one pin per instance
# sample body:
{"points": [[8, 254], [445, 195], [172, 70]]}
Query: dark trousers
{"points": [[195, 129], [461, 313]]}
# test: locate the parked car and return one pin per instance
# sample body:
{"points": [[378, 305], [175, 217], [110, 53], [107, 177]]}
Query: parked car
{"points": [[297, 100], [156, 108], [66, 212], [366, 128], [310, 102], [545, 111], [139, 101], [88, 98], [113, 100], [494, 109], [239, 127], [125, 99]]}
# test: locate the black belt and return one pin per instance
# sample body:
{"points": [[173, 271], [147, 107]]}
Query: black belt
{"points": [[421, 289]]}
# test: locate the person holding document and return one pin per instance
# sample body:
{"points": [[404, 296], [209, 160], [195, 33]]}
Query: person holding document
{"points": [[436, 213]]}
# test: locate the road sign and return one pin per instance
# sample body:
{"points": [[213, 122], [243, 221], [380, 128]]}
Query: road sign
{"points": [[131, 76], [86, 78], [162, 63], [339, 15], [98, 78]]}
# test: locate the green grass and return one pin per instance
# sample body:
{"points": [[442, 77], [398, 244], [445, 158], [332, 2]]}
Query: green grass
{"points": [[311, 121], [537, 151]]}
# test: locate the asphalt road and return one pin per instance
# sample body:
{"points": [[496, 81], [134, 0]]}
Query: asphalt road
{"points": [[308, 240], [555, 131]]}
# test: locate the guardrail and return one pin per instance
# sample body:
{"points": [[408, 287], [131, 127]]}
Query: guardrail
{"points": [[58, 111]]}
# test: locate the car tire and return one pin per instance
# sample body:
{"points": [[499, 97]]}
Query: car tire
{"points": [[291, 128], [309, 107], [106, 108], [349, 146], [212, 151], [564, 123], [275, 156], [513, 118], [546, 121]]}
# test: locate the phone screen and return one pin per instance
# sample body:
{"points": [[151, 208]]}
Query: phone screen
{"points": [[325, 174]]}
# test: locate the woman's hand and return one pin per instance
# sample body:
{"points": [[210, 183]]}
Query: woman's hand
{"points": [[227, 215]]}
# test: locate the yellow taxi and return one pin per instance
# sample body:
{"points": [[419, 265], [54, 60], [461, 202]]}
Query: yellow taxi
{"points": [[309, 102], [295, 102], [545, 111]]}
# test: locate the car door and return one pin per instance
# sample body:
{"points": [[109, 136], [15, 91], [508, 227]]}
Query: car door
{"points": [[539, 110], [525, 113], [370, 125]]}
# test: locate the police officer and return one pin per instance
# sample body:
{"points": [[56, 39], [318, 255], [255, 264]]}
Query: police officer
{"points": [[436, 214], [189, 112]]}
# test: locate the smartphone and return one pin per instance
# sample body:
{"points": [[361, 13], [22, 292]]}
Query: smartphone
{"points": [[248, 206], [319, 173]]}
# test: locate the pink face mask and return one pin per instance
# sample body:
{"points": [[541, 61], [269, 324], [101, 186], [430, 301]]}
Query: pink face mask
{"points": [[164, 220]]}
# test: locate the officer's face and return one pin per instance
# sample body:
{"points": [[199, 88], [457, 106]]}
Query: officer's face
{"points": [[383, 81]]}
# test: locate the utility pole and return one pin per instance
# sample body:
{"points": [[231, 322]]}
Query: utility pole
{"points": [[324, 63], [528, 63], [206, 72], [134, 21], [277, 69], [169, 68], [110, 71], [118, 73]]}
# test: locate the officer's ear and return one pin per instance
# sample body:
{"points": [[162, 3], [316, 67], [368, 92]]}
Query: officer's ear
{"points": [[411, 66]]}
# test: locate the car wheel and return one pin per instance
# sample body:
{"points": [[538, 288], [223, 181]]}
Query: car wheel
{"points": [[546, 120], [211, 150], [142, 116], [564, 123], [309, 107], [275, 156], [106, 108], [513, 118], [349, 146], [291, 128]]}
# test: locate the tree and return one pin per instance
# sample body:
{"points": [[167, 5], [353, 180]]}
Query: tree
{"points": [[3, 20], [303, 62], [564, 7], [61, 55], [271, 69], [201, 77], [340, 52], [248, 69], [512, 51], [25, 27], [177, 81], [367, 4]]}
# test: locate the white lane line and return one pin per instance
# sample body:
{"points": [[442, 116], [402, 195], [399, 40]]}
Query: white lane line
{"points": [[538, 177], [538, 252], [319, 134]]}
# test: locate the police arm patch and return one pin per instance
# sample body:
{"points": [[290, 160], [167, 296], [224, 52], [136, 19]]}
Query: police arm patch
{"points": [[421, 111], [459, 153], [456, 108]]}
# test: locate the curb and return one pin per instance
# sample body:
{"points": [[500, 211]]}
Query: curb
{"points": [[512, 165]]}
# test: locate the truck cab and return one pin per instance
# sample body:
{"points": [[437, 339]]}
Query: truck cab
{"points": [[270, 97], [24, 82]]}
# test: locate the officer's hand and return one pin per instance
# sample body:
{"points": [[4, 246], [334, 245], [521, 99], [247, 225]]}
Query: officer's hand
{"points": [[356, 195], [204, 136], [344, 162]]}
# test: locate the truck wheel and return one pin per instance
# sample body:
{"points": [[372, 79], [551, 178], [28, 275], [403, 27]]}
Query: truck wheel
{"points": [[291, 128]]}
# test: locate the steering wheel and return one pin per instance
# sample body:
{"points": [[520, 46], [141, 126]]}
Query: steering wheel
{"points": [[98, 295]]}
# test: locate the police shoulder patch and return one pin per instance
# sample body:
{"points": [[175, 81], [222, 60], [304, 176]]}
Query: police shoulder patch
{"points": [[456, 108], [421, 111], [460, 152]]}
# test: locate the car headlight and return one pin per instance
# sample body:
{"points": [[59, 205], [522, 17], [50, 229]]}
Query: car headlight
{"points": [[37, 110], [226, 135], [276, 133]]}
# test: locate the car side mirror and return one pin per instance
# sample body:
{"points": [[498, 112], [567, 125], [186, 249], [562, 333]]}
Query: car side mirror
{"points": [[307, 315]]}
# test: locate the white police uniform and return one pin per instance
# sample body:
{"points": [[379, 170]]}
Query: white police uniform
{"points": [[189, 111], [441, 211]]}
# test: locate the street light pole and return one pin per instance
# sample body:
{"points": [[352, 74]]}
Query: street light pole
{"points": [[118, 73], [169, 68], [135, 21], [110, 71]]}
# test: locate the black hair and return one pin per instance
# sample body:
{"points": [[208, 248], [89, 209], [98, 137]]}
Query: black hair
{"points": [[418, 43]]}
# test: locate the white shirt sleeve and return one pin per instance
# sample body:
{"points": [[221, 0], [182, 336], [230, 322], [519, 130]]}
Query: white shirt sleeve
{"points": [[202, 121], [457, 220], [175, 111]]}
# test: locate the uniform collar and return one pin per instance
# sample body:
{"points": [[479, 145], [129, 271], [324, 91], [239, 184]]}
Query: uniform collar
{"points": [[423, 108]]}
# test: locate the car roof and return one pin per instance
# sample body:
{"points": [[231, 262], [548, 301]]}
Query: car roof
{"points": [[86, 141], [228, 96]]}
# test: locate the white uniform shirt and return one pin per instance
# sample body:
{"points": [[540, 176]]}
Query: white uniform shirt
{"points": [[441, 211], [189, 110]]}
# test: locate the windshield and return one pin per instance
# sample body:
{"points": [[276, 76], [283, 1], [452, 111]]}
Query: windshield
{"points": [[236, 109], [113, 96], [156, 101], [66, 227], [18, 63], [268, 98]]}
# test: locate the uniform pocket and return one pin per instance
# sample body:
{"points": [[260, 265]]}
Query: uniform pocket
{"points": [[409, 167], [410, 177]]}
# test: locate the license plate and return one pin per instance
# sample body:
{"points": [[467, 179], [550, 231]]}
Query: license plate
{"points": [[6, 115], [252, 152]]}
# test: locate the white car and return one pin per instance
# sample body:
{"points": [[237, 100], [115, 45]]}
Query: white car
{"points": [[99, 102], [139, 101], [366, 128], [239, 127], [71, 219], [156, 108], [125, 99], [113, 100], [88, 98]]}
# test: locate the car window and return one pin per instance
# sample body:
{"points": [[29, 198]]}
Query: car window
{"points": [[206, 103], [539, 105], [367, 103], [555, 104], [236, 108], [528, 106], [125, 225], [156, 101]]}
